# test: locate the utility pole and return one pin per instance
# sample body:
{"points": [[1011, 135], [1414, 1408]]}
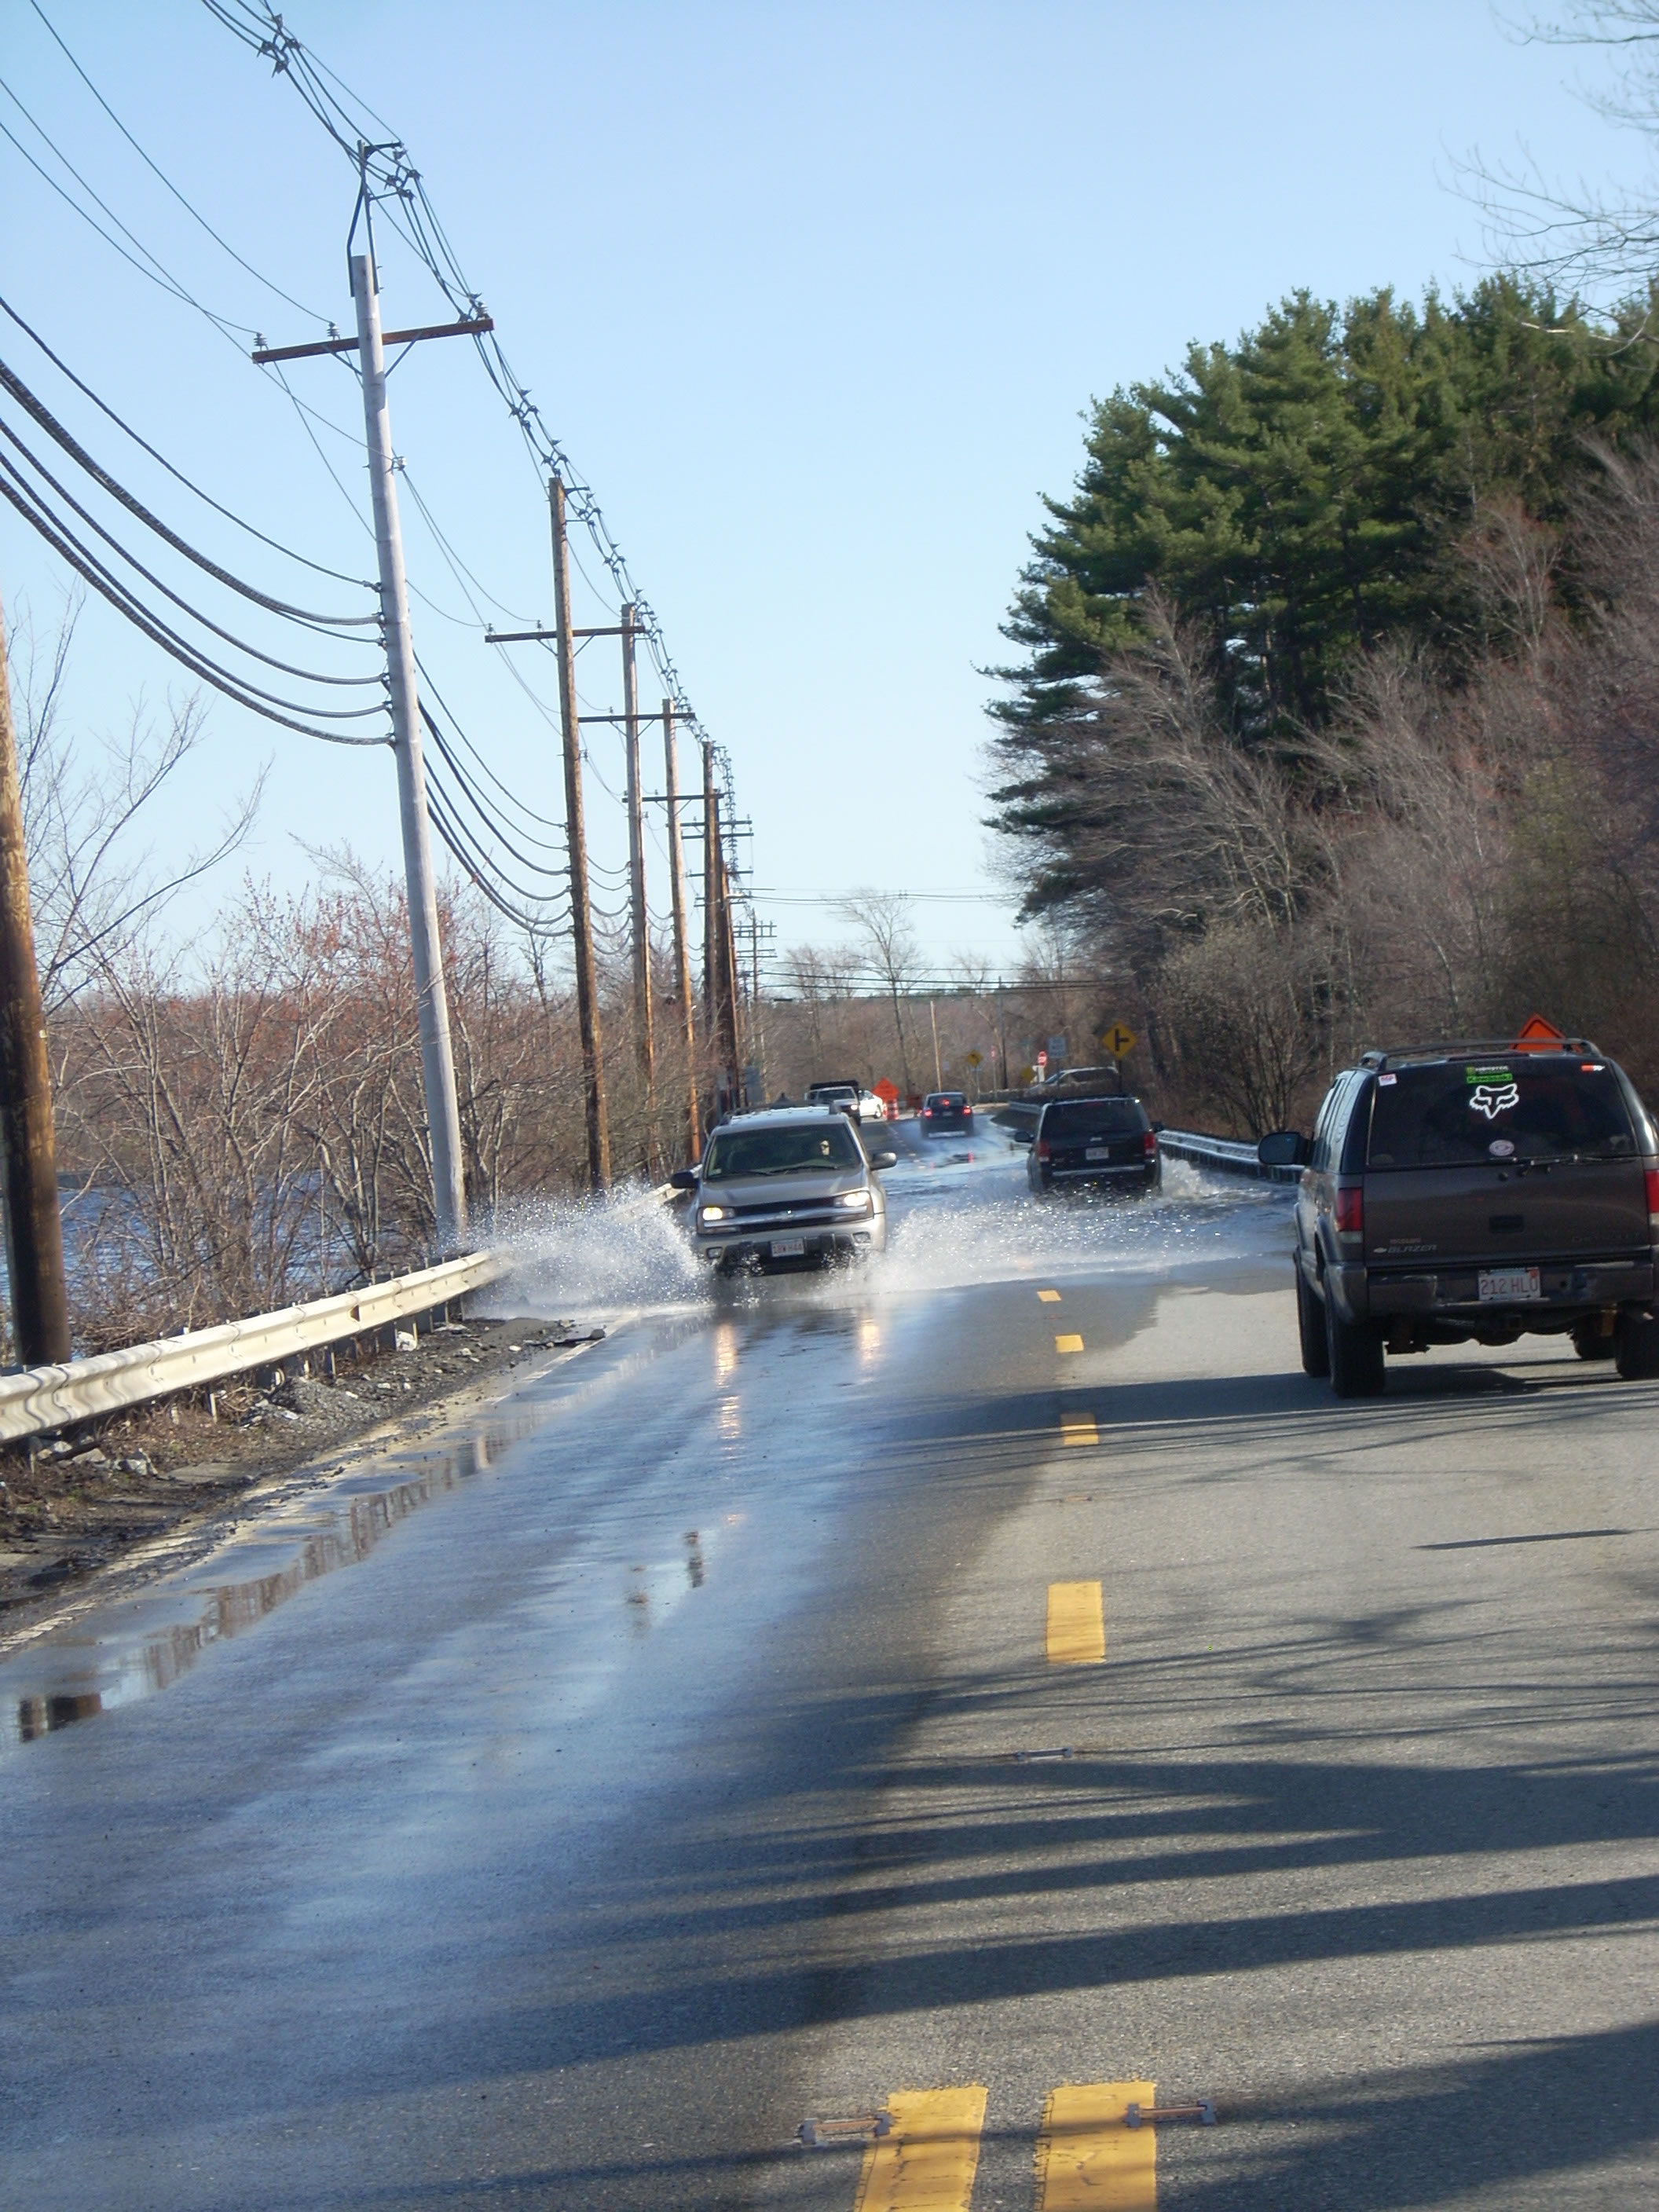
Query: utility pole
{"points": [[582, 919], [711, 846], [731, 988], [35, 1227], [645, 1050], [432, 1002], [938, 1073], [681, 950]]}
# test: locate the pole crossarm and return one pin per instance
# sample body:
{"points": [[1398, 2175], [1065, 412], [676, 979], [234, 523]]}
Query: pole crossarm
{"points": [[473, 326], [550, 637]]}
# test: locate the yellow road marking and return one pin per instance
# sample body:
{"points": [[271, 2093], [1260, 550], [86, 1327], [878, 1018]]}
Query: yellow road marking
{"points": [[1077, 1623], [1078, 1428], [1087, 2159], [1068, 1344], [1049, 1297], [928, 2162]]}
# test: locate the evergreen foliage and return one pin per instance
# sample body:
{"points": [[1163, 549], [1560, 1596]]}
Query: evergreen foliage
{"points": [[1301, 494]]}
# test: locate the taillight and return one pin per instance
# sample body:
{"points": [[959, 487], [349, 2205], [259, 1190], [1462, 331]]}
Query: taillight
{"points": [[1149, 1143], [1043, 1148], [1653, 1203], [1350, 1210]]}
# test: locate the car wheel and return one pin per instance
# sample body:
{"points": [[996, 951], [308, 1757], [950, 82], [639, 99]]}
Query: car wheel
{"points": [[1589, 1341], [1354, 1349], [1310, 1327], [1636, 1346]]}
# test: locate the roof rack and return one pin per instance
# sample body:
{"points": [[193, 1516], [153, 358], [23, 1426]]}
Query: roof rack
{"points": [[1479, 1048]]}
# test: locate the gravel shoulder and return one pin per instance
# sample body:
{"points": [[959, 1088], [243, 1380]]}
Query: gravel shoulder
{"points": [[78, 1504]]}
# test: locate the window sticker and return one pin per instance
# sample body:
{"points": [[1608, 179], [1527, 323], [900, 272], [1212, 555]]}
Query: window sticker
{"points": [[1388, 1078], [1488, 1075], [1494, 1098]]}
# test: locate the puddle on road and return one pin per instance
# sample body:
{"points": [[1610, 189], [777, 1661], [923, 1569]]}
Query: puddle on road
{"points": [[141, 1644]]}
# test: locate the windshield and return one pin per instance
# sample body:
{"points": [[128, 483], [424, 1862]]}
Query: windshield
{"points": [[1094, 1117], [825, 1148], [1459, 1111]]}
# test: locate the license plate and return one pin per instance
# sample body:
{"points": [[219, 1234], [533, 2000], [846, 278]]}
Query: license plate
{"points": [[1505, 1285], [788, 1248], [1098, 1152]]}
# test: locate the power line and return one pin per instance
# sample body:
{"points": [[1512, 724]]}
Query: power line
{"points": [[385, 170], [20, 391], [194, 212], [143, 445], [88, 567]]}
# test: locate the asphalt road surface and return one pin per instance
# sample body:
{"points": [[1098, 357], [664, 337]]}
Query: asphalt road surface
{"points": [[989, 1693]]}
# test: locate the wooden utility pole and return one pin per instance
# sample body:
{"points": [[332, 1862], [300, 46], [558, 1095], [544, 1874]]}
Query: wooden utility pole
{"points": [[432, 1003], [681, 950], [730, 987], [34, 1228], [581, 918], [711, 846], [645, 1044]]}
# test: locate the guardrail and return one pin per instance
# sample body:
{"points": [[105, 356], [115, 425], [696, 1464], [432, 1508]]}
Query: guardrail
{"points": [[43, 1398], [1223, 1153]]}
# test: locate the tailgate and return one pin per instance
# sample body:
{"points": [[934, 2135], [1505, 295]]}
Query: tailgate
{"points": [[1489, 1213]]}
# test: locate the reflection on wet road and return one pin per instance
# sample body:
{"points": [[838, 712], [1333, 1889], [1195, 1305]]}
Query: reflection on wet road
{"points": [[836, 1697]]}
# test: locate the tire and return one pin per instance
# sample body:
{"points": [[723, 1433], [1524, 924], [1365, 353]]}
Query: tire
{"points": [[1310, 1327], [1636, 1346], [1588, 1340], [1355, 1352]]}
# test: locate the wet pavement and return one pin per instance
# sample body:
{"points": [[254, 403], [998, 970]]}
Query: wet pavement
{"points": [[559, 1816]]}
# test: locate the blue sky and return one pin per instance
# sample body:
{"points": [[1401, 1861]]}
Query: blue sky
{"points": [[813, 297]]}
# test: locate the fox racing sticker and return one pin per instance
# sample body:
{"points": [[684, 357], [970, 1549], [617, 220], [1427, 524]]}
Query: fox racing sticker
{"points": [[1494, 1098]]}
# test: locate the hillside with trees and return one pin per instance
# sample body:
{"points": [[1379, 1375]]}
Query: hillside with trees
{"points": [[1339, 704]]}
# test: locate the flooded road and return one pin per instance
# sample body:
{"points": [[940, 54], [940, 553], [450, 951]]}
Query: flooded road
{"points": [[558, 1815]]}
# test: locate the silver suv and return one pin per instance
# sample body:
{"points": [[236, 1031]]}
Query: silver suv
{"points": [[786, 1190]]}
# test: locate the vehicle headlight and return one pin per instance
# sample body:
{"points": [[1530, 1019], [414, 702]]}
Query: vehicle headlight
{"points": [[856, 1201], [708, 1213]]}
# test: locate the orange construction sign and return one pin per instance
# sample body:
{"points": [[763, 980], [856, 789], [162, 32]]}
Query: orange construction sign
{"points": [[1536, 1035]]}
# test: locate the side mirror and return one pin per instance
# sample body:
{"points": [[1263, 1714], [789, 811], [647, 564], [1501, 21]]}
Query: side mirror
{"points": [[1158, 1128], [884, 1160], [1284, 1148], [683, 1179], [1023, 1136]]}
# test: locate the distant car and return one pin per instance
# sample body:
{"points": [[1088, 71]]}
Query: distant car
{"points": [[790, 1188], [1475, 1190], [870, 1108], [945, 1113], [1102, 1143], [843, 1097]]}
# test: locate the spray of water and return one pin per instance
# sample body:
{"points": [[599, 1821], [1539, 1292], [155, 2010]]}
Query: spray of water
{"points": [[956, 1217]]}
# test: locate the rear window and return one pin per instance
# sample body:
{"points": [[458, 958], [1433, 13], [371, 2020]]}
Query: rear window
{"points": [[1455, 1112], [1094, 1117], [948, 1098], [827, 1146]]}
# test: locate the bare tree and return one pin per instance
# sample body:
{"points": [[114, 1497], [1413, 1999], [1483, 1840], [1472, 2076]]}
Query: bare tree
{"points": [[1581, 241], [91, 882], [884, 919]]}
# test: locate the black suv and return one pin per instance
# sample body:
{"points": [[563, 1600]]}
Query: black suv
{"points": [[1099, 1142], [1474, 1191]]}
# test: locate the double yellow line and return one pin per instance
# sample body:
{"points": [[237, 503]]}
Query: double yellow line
{"points": [[1088, 2158]]}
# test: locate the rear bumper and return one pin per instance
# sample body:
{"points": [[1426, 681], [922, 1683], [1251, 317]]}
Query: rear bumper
{"points": [[1136, 1175], [1566, 1287]]}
